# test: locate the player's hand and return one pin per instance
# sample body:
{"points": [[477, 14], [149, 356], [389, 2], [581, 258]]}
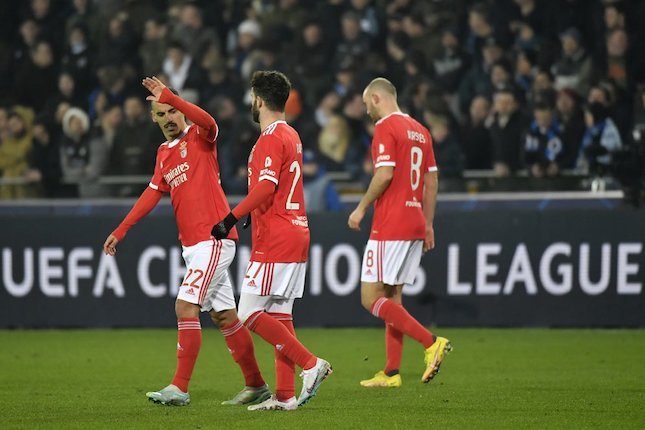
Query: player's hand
{"points": [[355, 218], [428, 242], [221, 229], [155, 86], [109, 247]]}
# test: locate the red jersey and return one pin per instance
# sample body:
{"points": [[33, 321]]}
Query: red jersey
{"points": [[188, 168], [401, 142], [280, 226]]}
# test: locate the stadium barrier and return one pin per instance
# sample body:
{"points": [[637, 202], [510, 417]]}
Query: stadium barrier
{"points": [[508, 265]]}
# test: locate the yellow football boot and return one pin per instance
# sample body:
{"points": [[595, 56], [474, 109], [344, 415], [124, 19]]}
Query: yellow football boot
{"points": [[382, 380], [434, 357]]}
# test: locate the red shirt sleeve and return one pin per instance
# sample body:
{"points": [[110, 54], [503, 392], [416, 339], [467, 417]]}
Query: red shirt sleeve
{"points": [[383, 147], [260, 193], [148, 200], [268, 153]]}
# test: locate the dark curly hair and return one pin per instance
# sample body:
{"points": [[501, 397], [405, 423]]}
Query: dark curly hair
{"points": [[273, 87]]}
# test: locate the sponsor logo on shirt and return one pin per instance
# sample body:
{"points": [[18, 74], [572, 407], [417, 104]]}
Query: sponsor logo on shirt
{"points": [[267, 172], [177, 175], [414, 203], [300, 221], [382, 158], [268, 162]]}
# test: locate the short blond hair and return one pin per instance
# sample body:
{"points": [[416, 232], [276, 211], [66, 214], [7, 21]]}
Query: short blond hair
{"points": [[381, 84]]}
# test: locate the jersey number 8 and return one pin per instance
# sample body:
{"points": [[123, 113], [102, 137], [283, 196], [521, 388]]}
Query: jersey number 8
{"points": [[416, 157]]}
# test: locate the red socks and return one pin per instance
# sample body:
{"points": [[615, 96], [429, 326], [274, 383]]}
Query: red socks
{"points": [[393, 348], [189, 341], [401, 320], [240, 344], [274, 332], [285, 369]]}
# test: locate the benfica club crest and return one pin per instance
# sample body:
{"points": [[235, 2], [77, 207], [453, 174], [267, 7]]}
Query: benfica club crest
{"points": [[183, 151]]}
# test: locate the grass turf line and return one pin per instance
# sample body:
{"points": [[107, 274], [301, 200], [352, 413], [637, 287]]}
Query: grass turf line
{"points": [[495, 378]]}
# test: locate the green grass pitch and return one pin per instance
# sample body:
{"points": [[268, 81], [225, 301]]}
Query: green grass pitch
{"points": [[494, 379]]}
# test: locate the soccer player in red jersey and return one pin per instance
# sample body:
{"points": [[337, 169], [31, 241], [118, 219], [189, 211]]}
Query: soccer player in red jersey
{"points": [[404, 192], [187, 167], [275, 276]]}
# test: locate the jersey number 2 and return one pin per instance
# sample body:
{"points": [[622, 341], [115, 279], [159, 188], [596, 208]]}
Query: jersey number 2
{"points": [[295, 167]]}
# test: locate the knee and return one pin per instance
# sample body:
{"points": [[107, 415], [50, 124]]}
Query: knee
{"points": [[224, 318], [184, 309], [245, 312]]}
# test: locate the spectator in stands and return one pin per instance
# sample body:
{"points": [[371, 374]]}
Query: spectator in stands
{"points": [[78, 59], [475, 137], [506, 128], [477, 81], [26, 43], [14, 151], [574, 69], [333, 143], [44, 171], [572, 125], [354, 44], [480, 32], [35, 79], [543, 147], [237, 135], [397, 45], [446, 148], [66, 93], [191, 32], [525, 70], [451, 65], [86, 15], [134, 145], [75, 147], [111, 90], [600, 141], [117, 42], [367, 15], [311, 56], [49, 22], [220, 82], [320, 191], [248, 33], [182, 71], [152, 50]]}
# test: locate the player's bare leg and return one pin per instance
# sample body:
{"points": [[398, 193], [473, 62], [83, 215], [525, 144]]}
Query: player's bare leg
{"points": [[240, 344], [189, 341]]}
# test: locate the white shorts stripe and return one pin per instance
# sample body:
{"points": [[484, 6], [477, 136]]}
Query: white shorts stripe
{"points": [[396, 261], [275, 279]]}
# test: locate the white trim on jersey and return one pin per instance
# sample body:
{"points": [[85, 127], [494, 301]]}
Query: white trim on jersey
{"points": [[153, 186], [385, 163], [389, 115], [268, 178], [271, 127], [178, 138], [432, 169]]}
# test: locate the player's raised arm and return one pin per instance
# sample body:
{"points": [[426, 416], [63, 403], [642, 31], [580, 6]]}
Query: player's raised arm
{"points": [[201, 118]]}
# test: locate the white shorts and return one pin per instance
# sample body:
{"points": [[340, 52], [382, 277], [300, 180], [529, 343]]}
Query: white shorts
{"points": [[207, 282], [285, 280], [391, 262], [252, 303]]}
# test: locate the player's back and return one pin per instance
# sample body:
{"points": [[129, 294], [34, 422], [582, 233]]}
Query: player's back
{"points": [[403, 143], [280, 227]]}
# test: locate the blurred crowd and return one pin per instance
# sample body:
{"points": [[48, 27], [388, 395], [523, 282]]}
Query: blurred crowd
{"points": [[534, 86]]}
